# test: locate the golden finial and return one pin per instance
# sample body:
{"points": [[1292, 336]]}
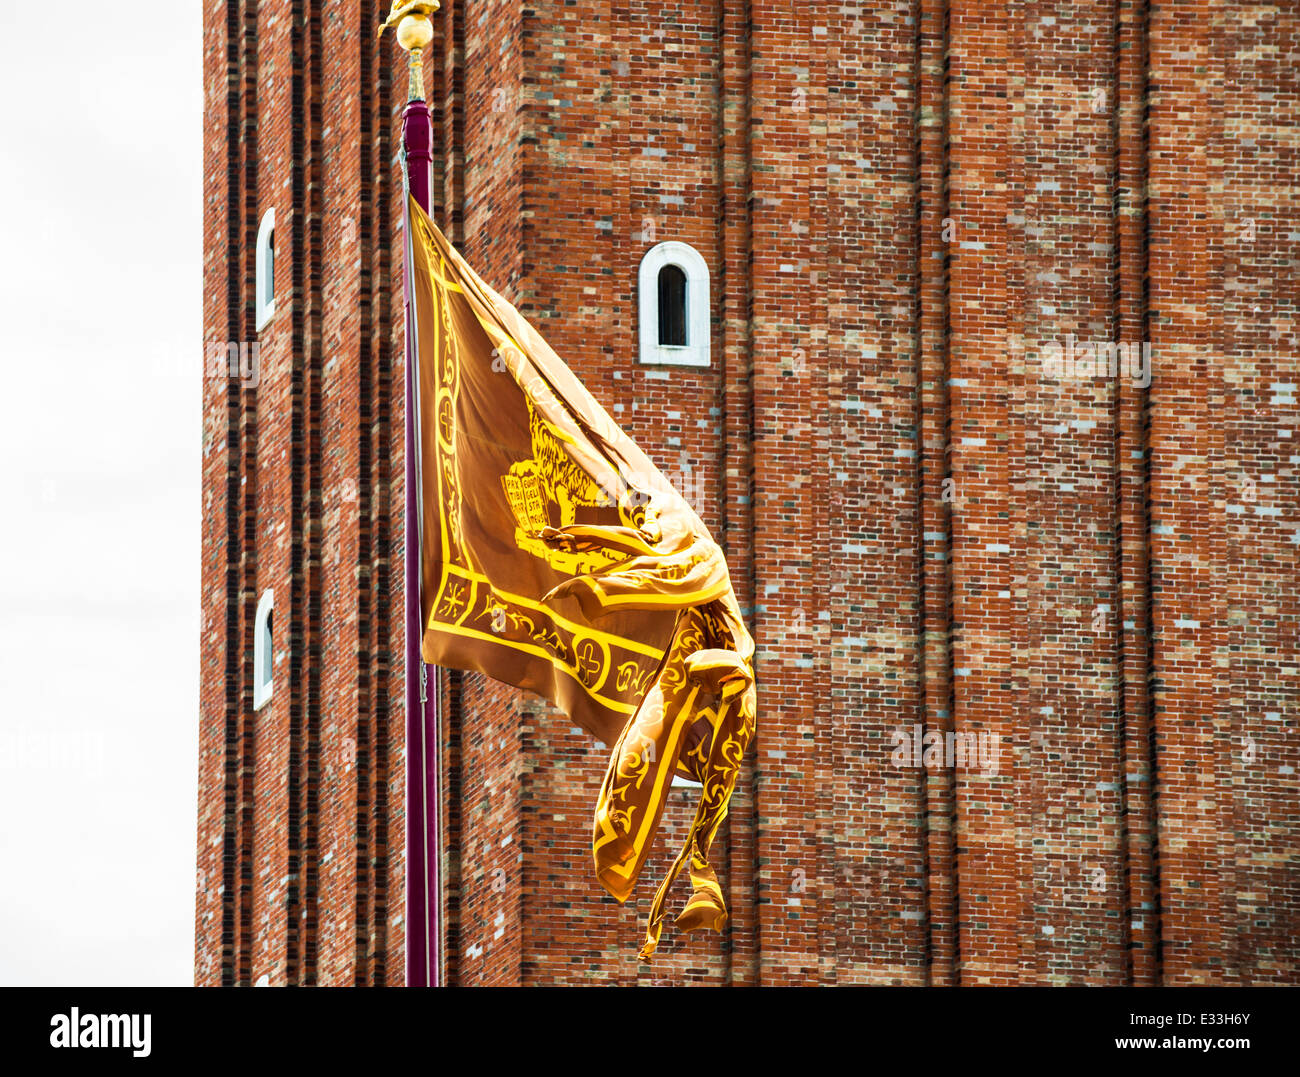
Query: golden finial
{"points": [[414, 33]]}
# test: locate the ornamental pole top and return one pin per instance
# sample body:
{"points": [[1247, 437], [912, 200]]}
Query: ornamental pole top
{"points": [[401, 10], [414, 34]]}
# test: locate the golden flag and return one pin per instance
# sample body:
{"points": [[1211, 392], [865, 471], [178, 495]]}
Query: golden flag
{"points": [[557, 558]]}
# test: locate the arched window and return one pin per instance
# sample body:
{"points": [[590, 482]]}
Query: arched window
{"points": [[263, 650], [673, 297], [265, 284], [672, 307]]}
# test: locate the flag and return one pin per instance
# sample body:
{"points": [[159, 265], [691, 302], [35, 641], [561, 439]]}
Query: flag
{"points": [[556, 557]]}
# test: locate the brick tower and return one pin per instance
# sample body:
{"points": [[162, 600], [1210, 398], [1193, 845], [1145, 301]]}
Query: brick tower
{"points": [[949, 504]]}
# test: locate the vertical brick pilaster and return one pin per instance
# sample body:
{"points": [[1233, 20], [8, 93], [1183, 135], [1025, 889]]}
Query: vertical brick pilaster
{"points": [[981, 426], [1186, 499], [242, 748], [218, 702], [1141, 925], [936, 234], [1258, 316], [736, 463]]}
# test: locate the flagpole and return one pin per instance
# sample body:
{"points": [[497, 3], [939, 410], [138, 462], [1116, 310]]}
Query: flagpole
{"points": [[423, 686]]}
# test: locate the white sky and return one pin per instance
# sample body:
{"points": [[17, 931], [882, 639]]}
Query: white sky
{"points": [[101, 349]]}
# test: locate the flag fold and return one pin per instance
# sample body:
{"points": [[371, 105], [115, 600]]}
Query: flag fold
{"points": [[556, 557]]}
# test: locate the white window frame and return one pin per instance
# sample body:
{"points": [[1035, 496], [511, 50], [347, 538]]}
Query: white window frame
{"points": [[265, 267], [695, 352], [262, 660]]}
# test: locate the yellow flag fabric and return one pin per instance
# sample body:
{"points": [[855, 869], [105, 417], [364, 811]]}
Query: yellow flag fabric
{"points": [[556, 557]]}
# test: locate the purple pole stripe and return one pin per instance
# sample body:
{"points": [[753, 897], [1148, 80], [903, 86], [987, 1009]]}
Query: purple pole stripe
{"points": [[422, 821]]}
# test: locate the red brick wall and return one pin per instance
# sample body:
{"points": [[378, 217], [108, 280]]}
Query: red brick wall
{"points": [[300, 826], [900, 210]]}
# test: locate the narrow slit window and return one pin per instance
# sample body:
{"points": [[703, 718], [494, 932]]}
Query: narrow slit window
{"points": [[672, 307], [268, 642], [264, 286], [268, 285], [263, 650]]}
